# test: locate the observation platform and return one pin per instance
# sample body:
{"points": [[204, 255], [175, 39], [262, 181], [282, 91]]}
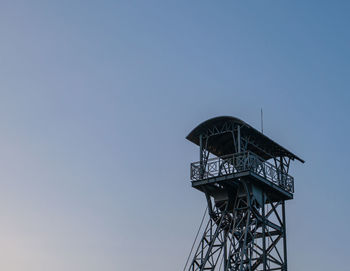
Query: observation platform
{"points": [[240, 153], [228, 168]]}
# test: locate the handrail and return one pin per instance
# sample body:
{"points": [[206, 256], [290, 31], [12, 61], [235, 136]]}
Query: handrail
{"points": [[239, 162]]}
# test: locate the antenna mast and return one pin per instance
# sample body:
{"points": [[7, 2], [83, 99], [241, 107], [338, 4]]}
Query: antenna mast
{"points": [[262, 121]]}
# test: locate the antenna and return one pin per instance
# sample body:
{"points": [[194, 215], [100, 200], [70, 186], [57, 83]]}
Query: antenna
{"points": [[262, 121]]}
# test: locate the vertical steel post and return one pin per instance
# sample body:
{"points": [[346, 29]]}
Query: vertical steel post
{"points": [[282, 180], [284, 236], [263, 231], [201, 169], [225, 252]]}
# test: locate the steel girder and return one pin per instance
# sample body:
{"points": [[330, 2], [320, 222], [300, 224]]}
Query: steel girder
{"points": [[246, 232]]}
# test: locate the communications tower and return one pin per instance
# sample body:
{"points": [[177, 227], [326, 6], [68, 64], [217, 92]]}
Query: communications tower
{"points": [[244, 177]]}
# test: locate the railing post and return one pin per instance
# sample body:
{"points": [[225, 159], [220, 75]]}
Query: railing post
{"points": [[191, 171], [247, 159]]}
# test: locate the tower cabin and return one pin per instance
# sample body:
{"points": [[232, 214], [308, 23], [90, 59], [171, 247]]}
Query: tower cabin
{"points": [[232, 150]]}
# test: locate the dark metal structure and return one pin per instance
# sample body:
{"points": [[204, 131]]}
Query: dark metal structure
{"points": [[244, 176]]}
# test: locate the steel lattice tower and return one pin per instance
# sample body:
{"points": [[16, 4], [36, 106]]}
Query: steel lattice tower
{"points": [[244, 176]]}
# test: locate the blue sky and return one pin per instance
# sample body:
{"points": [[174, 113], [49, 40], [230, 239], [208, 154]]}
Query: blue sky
{"points": [[96, 98]]}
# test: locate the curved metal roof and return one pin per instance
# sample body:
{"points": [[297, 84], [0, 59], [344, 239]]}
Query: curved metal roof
{"points": [[222, 143]]}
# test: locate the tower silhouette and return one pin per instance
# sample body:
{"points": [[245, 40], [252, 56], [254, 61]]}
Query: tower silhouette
{"points": [[244, 177]]}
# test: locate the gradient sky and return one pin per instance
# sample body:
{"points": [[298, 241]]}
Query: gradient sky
{"points": [[96, 98]]}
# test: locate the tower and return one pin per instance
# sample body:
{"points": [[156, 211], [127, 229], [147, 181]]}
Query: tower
{"points": [[244, 177]]}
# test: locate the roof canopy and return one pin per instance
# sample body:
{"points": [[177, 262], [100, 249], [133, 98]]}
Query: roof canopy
{"points": [[221, 140]]}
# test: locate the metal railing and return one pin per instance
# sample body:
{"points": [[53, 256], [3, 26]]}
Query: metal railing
{"points": [[239, 162]]}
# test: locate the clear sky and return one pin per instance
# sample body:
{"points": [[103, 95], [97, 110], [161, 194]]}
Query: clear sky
{"points": [[96, 98]]}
